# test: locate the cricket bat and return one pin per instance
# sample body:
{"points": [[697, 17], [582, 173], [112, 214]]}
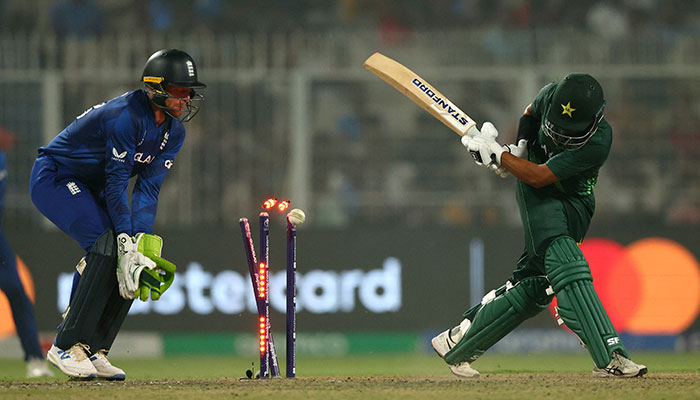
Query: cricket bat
{"points": [[422, 93]]}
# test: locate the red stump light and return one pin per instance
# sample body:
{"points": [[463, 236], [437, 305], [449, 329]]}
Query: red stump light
{"points": [[263, 336], [262, 281]]}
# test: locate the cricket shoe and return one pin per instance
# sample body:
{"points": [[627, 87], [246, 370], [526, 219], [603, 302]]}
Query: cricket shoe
{"points": [[37, 368], [105, 369], [73, 362], [464, 370], [620, 367]]}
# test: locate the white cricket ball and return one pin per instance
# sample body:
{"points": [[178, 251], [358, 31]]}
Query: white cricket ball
{"points": [[296, 217]]}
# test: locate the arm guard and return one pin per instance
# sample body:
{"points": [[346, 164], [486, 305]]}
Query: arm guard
{"points": [[527, 128]]}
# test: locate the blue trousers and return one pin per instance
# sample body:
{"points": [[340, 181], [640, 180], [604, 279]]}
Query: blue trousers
{"points": [[69, 204]]}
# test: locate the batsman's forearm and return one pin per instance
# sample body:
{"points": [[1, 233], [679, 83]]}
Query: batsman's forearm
{"points": [[535, 175]]}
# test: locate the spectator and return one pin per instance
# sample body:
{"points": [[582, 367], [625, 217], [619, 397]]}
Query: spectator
{"points": [[79, 19]]}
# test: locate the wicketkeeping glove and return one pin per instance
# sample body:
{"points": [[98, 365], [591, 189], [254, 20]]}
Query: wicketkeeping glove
{"points": [[153, 282], [156, 281], [130, 265]]}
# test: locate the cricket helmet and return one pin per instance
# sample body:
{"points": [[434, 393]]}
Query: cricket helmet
{"points": [[171, 67], [575, 111]]}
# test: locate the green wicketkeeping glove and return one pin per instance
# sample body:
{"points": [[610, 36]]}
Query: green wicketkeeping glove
{"points": [[153, 282]]}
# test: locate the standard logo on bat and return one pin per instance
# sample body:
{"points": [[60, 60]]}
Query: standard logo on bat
{"points": [[441, 103]]}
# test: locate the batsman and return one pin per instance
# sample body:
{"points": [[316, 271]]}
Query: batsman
{"points": [[562, 141]]}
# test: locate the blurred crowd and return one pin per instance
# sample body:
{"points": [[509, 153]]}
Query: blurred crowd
{"points": [[368, 164], [86, 18]]}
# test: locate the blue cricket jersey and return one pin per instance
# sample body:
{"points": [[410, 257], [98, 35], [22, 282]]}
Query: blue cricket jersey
{"points": [[112, 142]]}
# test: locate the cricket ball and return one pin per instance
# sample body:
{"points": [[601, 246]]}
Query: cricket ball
{"points": [[296, 217]]}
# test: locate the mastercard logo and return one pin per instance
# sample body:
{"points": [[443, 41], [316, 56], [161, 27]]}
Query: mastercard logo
{"points": [[650, 287], [7, 323]]}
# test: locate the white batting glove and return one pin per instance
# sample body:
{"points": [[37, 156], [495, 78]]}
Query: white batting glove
{"points": [[519, 151], [481, 145], [488, 130], [130, 264], [489, 150]]}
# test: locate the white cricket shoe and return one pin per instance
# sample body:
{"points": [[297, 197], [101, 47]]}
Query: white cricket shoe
{"points": [[37, 368], [620, 367], [464, 370], [105, 369], [73, 362]]}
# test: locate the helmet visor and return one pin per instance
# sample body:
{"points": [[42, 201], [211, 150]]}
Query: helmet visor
{"points": [[191, 108]]}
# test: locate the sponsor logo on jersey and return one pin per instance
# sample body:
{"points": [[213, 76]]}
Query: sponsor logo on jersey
{"points": [[168, 164], [144, 159], [117, 156], [143, 138], [165, 140]]}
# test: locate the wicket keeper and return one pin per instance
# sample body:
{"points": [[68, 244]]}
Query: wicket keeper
{"points": [[79, 182], [562, 141]]}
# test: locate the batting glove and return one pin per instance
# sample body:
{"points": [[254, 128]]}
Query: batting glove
{"points": [[519, 151]]}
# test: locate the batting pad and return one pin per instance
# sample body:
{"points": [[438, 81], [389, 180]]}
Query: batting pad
{"points": [[578, 303], [499, 316], [96, 310]]}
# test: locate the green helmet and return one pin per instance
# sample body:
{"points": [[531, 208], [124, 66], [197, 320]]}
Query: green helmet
{"points": [[575, 111]]}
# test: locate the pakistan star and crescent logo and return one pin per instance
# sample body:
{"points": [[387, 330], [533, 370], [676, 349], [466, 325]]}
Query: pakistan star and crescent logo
{"points": [[567, 109]]}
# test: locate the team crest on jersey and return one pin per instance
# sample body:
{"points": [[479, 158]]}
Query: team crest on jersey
{"points": [[567, 109], [117, 156]]}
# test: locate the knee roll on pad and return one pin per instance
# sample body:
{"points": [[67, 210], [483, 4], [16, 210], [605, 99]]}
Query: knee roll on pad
{"points": [[578, 303], [565, 263], [497, 317]]}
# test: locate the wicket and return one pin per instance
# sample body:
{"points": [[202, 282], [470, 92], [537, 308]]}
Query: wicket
{"points": [[291, 298], [259, 275]]}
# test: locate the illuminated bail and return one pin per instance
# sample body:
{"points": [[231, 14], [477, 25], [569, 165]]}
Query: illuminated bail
{"points": [[283, 205], [269, 203]]}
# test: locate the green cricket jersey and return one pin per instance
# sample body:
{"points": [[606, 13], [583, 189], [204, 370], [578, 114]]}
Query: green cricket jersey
{"points": [[564, 208], [577, 170]]}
